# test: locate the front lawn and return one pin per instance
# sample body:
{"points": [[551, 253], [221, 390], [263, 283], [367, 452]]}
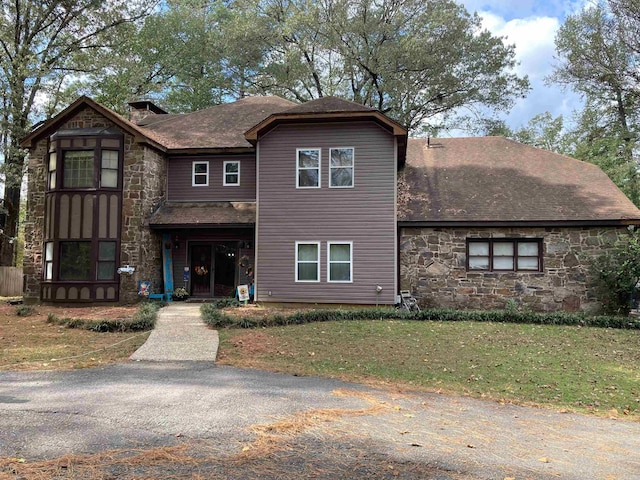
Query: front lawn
{"points": [[33, 343], [573, 368]]}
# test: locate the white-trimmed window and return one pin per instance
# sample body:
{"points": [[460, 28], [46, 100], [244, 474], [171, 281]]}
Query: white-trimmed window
{"points": [[200, 175], [341, 161], [307, 261], [231, 176], [308, 168], [340, 262]]}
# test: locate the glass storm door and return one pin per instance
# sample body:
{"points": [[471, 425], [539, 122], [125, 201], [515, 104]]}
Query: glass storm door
{"points": [[201, 270]]}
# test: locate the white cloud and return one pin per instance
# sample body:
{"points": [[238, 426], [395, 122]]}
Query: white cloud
{"points": [[533, 38], [509, 9]]}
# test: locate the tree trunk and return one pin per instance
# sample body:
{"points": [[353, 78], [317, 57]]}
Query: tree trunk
{"points": [[10, 230]]}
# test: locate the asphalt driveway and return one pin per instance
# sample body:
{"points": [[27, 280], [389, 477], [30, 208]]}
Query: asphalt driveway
{"points": [[347, 428]]}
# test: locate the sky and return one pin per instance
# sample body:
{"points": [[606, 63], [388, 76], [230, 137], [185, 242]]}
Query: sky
{"points": [[531, 25]]}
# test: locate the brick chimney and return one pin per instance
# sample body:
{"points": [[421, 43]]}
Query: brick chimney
{"points": [[141, 109]]}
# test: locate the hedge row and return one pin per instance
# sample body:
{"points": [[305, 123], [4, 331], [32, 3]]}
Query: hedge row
{"points": [[143, 319], [218, 319]]}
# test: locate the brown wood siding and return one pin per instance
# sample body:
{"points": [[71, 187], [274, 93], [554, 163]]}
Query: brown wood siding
{"points": [[179, 181], [364, 214]]}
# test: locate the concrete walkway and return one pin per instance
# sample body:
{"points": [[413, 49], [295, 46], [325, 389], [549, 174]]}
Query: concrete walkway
{"points": [[180, 334]]}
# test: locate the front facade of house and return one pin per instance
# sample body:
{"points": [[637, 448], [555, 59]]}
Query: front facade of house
{"points": [[324, 202]]}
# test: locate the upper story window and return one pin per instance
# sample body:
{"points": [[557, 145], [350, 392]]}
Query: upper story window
{"points": [[341, 167], [307, 261], [53, 166], [504, 254], [231, 174], [77, 167], [109, 169], [308, 168], [200, 175], [84, 159]]}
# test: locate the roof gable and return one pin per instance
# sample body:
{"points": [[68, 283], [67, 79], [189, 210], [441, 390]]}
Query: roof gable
{"points": [[53, 124], [330, 109], [492, 179]]}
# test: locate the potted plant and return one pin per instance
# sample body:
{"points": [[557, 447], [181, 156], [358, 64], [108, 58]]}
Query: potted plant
{"points": [[180, 294]]}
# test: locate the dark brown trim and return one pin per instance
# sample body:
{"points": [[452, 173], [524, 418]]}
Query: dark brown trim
{"points": [[198, 226], [521, 223], [271, 121], [95, 191], [210, 151], [515, 255]]}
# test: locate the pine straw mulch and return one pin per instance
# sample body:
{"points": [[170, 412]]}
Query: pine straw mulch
{"points": [[303, 445], [86, 313]]}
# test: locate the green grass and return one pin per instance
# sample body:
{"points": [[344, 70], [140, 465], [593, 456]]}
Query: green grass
{"points": [[565, 367]]}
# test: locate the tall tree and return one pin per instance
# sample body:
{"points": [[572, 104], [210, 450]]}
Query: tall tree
{"points": [[416, 60], [599, 53], [422, 62], [188, 55], [42, 42]]}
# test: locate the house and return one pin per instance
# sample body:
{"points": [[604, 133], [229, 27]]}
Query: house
{"points": [[322, 202]]}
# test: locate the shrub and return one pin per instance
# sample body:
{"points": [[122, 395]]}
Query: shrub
{"points": [[180, 294], [144, 319], [226, 302], [616, 275], [25, 310], [213, 317], [218, 319]]}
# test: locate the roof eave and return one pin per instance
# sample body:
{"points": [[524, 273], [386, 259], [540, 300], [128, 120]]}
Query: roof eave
{"points": [[271, 121], [174, 226], [211, 151], [521, 223]]}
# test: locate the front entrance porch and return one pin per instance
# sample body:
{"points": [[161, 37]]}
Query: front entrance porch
{"points": [[211, 263], [215, 270]]}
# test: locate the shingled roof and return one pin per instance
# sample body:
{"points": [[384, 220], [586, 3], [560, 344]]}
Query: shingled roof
{"points": [[495, 180], [328, 105], [218, 127], [203, 214]]}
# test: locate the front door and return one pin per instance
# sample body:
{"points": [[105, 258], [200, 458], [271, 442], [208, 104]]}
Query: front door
{"points": [[201, 266], [224, 276], [214, 269]]}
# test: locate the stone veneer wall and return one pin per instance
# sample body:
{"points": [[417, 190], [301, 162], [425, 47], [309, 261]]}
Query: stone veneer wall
{"points": [[34, 222], [143, 189], [433, 267], [144, 180]]}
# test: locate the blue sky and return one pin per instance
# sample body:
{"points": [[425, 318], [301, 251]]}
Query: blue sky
{"points": [[531, 26]]}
